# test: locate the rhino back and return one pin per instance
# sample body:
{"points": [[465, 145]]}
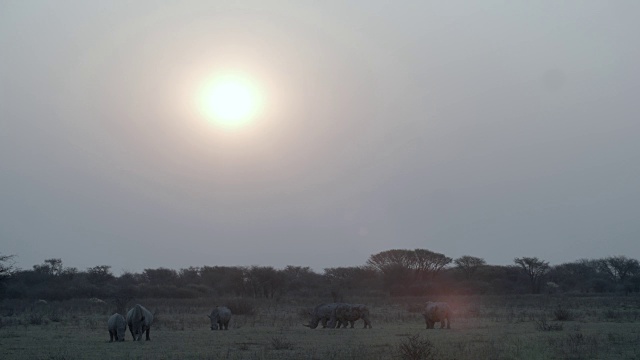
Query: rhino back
{"points": [[325, 310], [116, 322], [224, 313], [148, 316], [139, 315], [437, 311]]}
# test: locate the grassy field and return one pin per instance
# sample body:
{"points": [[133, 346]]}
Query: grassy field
{"points": [[523, 327]]}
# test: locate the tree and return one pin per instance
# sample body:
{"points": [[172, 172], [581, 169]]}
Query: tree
{"points": [[395, 267], [429, 263], [468, 265], [299, 279], [188, 276], [55, 266], [619, 268], [402, 268], [160, 276], [224, 280], [6, 266], [535, 269], [99, 275], [264, 281], [6, 270]]}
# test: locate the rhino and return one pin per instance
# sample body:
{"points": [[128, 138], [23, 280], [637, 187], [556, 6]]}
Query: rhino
{"points": [[344, 314], [220, 317], [139, 320], [117, 327], [437, 312], [321, 314]]}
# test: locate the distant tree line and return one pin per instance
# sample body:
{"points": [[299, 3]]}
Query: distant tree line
{"points": [[396, 272]]}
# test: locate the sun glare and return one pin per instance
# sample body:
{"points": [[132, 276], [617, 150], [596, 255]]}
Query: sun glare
{"points": [[230, 101]]}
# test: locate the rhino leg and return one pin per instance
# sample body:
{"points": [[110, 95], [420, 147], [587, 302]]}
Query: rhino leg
{"points": [[111, 336], [430, 324], [147, 338]]}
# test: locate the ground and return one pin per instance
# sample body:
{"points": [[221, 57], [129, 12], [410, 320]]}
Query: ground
{"points": [[525, 327]]}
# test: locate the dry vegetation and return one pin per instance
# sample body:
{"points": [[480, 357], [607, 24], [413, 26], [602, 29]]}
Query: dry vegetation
{"points": [[516, 327]]}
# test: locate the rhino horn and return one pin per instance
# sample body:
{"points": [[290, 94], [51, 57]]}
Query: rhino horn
{"points": [[307, 325]]}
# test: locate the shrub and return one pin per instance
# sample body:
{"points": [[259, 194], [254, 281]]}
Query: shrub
{"points": [[542, 325], [279, 343], [55, 316], [35, 319], [241, 306], [562, 314], [416, 308], [415, 348]]}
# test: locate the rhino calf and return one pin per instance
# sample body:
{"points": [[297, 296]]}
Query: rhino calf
{"points": [[220, 317], [117, 327], [344, 314], [139, 320], [437, 312], [321, 314]]}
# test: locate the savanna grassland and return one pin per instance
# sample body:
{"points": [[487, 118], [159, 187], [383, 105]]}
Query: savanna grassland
{"points": [[517, 327]]}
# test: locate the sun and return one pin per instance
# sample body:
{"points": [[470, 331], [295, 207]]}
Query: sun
{"points": [[230, 100]]}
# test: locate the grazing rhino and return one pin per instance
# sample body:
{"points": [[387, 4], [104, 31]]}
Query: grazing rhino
{"points": [[321, 314], [117, 327], [220, 317], [139, 320], [344, 314], [437, 312]]}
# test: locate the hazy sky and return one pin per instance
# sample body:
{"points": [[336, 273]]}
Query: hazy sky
{"points": [[496, 129]]}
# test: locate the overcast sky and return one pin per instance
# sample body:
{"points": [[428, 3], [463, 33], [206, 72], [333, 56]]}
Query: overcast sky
{"points": [[496, 129]]}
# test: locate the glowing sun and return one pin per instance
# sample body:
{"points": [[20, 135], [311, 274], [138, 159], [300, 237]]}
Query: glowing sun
{"points": [[230, 101]]}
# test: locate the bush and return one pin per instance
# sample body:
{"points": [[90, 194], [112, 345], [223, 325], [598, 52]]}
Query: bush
{"points": [[542, 325], [279, 343], [415, 348], [36, 319], [240, 306], [562, 314]]}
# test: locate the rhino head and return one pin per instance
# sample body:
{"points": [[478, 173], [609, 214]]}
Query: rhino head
{"points": [[314, 320], [214, 320]]}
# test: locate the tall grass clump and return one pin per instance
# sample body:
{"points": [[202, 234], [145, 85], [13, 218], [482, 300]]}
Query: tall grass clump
{"points": [[281, 343], [416, 348], [542, 325], [562, 314], [240, 306], [36, 319]]}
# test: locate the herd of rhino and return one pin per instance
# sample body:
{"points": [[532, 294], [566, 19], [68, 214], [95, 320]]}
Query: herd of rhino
{"points": [[333, 315]]}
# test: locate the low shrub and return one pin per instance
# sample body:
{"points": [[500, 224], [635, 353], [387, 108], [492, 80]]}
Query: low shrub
{"points": [[563, 314], [241, 306], [416, 348], [542, 325], [280, 343]]}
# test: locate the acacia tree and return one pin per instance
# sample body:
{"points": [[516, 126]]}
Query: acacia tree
{"points": [[535, 269], [578, 275], [429, 263], [6, 270], [6, 266], [402, 267], [468, 265], [619, 268], [99, 275], [394, 265]]}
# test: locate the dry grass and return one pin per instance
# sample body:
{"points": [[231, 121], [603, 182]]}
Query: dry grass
{"points": [[482, 327]]}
